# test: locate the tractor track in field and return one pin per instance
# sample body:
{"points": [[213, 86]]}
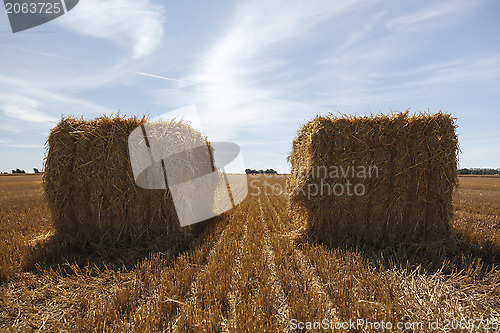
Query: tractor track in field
{"points": [[280, 303], [241, 244], [316, 284], [234, 294], [308, 270], [193, 289], [196, 281]]}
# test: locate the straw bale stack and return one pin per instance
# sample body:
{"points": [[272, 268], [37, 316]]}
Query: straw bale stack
{"points": [[90, 186], [376, 179]]}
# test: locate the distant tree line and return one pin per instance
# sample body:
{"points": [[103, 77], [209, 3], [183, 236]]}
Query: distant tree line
{"points": [[268, 171], [472, 171], [479, 171], [35, 170]]}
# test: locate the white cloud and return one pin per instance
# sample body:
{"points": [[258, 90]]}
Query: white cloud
{"points": [[4, 140], [138, 23]]}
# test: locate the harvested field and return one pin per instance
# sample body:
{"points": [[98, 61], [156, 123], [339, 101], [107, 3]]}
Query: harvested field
{"points": [[247, 272]]}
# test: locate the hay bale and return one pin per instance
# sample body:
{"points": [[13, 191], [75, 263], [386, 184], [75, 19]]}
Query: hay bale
{"points": [[377, 179], [90, 187]]}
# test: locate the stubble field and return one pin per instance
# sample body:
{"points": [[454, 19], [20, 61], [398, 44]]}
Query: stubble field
{"points": [[248, 271]]}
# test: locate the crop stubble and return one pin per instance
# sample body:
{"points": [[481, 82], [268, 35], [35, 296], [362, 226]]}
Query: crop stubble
{"points": [[245, 273]]}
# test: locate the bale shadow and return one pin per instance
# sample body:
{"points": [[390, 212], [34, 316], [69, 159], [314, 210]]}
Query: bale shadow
{"points": [[61, 252], [449, 255]]}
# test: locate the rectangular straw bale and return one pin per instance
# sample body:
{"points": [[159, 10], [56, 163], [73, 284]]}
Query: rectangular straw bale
{"points": [[408, 193], [90, 187]]}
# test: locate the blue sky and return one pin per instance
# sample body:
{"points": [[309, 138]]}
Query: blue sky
{"points": [[255, 70]]}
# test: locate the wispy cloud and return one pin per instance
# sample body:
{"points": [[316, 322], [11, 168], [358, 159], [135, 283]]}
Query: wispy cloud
{"points": [[255, 77], [228, 78], [437, 10], [137, 23], [23, 108], [161, 77], [432, 80], [45, 54], [72, 73], [24, 102], [464, 71]]}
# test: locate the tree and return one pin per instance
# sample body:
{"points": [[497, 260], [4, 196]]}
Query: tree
{"points": [[478, 171], [268, 171], [35, 170], [464, 171]]}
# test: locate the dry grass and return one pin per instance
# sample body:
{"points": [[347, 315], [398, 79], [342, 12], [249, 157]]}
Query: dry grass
{"points": [[244, 272], [477, 213], [25, 219]]}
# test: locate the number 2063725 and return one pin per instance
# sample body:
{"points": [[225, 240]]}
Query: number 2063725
{"points": [[33, 8]]}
